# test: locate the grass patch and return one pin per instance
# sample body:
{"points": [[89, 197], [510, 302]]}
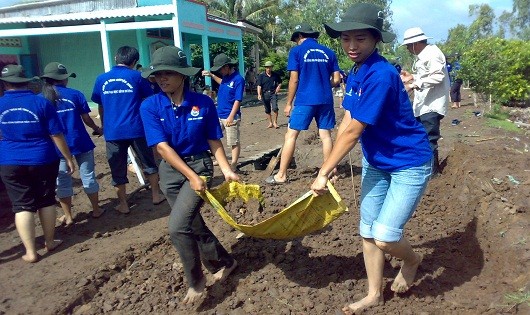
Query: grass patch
{"points": [[503, 124], [518, 298]]}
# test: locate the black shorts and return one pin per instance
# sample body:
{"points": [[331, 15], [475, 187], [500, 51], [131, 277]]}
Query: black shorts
{"points": [[30, 187], [270, 101], [117, 157]]}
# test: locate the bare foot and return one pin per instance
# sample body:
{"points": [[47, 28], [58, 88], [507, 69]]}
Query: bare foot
{"points": [[194, 294], [158, 200], [123, 208], [359, 306], [276, 126], [222, 274], [406, 275], [31, 258], [98, 212], [51, 247], [269, 126]]}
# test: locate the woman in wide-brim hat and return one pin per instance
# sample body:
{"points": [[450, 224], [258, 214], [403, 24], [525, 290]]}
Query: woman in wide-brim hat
{"points": [[73, 110], [183, 126], [29, 164], [396, 153]]}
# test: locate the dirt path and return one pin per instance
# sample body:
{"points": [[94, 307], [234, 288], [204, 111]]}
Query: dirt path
{"points": [[472, 227]]}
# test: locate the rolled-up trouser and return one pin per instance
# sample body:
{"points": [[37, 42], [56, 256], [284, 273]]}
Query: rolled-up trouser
{"points": [[188, 232], [431, 123]]}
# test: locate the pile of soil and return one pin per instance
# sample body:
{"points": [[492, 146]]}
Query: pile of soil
{"points": [[471, 227]]}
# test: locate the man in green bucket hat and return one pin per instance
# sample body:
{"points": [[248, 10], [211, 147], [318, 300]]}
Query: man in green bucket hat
{"points": [[309, 94], [229, 98], [269, 84]]}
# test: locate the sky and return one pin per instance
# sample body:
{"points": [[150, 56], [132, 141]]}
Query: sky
{"points": [[436, 17]]}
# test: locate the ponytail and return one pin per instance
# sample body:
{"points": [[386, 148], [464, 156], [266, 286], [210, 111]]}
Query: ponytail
{"points": [[49, 91]]}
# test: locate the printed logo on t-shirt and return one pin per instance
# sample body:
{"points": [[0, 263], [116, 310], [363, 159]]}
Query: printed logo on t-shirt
{"points": [[126, 87], [318, 56], [31, 119], [195, 111], [231, 85], [69, 109], [349, 93]]}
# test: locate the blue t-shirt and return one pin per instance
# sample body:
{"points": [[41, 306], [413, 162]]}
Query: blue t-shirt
{"points": [[393, 139], [315, 65], [70, 106], [120, 92], [26, 123], [186, 128], [230, 90]]}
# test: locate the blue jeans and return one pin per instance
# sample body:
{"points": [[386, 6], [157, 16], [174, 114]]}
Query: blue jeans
{"points": [[188, 232], [388, 200], [86, 172]]}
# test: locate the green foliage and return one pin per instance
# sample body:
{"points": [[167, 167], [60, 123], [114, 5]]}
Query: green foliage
{"points": [[498, 67], [229, 48], [280, 65]]}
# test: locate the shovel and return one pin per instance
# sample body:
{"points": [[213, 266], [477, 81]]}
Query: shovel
{"points": [[272, 163]]}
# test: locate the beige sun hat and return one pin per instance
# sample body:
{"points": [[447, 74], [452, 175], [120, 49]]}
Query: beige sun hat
{"points": [[413, 35]]}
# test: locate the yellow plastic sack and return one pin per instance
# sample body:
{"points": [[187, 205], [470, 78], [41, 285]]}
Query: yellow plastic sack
{"points": [[305, 215]]}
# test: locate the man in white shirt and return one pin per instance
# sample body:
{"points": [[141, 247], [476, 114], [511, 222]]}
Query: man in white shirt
{"points": [[430, 84]]}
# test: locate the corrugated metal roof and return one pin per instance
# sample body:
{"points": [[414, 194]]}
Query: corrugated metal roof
{"points": [[86, 13]]}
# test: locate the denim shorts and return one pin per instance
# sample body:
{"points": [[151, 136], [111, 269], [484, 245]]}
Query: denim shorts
{"points": [[388, 200], [302, 115], [86, 172]]}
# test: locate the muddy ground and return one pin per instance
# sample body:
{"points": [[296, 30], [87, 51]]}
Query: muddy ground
{"points": [[472, 226]]}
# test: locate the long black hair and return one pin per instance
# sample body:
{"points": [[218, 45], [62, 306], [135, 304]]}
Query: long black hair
{"points": [[49, 91]]}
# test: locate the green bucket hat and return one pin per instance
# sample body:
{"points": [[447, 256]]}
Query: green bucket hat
{"points": [[170, 58], [15, 74], [56, 71], [220, 61], [268, 64], [306, 29], [358, 17]]}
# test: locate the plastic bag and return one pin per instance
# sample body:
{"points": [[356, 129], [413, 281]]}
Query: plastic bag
{"points": [[307, 214]]}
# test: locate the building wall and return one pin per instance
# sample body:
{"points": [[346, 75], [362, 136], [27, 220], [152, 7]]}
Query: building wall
{"points": [[143, 3], [80, 53]]}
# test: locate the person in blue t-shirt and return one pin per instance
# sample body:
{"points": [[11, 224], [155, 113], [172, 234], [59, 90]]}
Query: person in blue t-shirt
{"points": [[73, 110], [30, 131], [314, 71], [182, 126], [119, 93], [229, 97], [397, 158]]}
